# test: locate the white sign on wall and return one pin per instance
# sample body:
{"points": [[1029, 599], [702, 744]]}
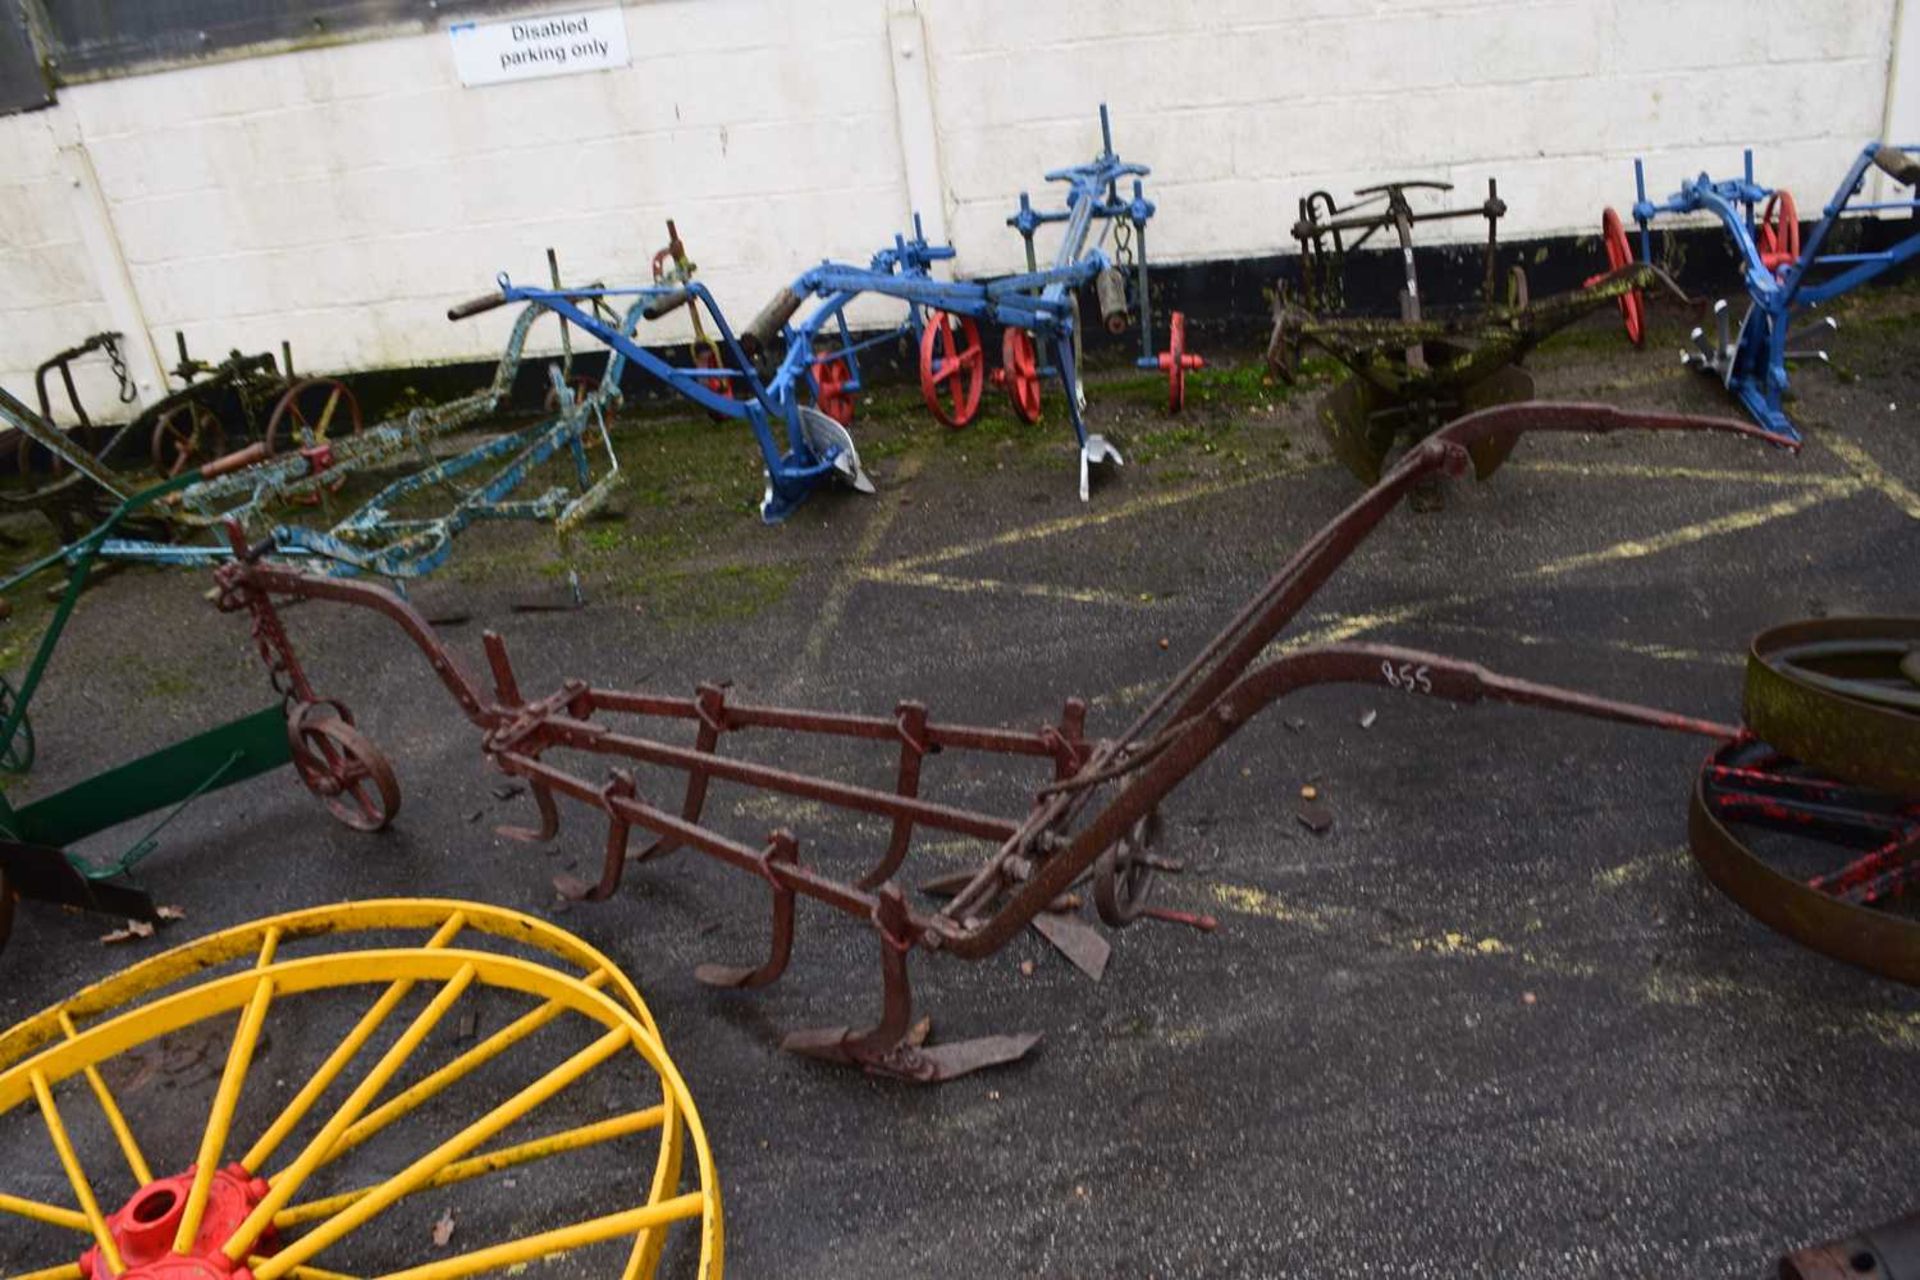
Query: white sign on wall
{"points": [[553, 44]]}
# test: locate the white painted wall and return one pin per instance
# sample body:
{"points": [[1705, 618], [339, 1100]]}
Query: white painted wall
{"points": [[342, 197]]}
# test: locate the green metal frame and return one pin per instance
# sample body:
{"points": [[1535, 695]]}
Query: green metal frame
{"points": [[169, 778]]}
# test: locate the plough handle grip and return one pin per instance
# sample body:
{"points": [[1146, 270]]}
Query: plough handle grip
{"points": [[474, 306], [665, 304], [1898, 165], [759, 335], [238, 460]]}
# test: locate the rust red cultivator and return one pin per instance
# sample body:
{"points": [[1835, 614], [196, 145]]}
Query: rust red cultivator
{"points": [[1091, 811]]}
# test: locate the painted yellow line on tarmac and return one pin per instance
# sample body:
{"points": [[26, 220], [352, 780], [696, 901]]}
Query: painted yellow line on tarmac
{"points": [[835, 603], [1709, 475], [1870, 473], [1093, 519], [1734, 522], [1044, 590]]}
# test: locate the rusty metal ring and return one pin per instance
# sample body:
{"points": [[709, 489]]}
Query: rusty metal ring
{"points": [[1854, 933], [1806, 690], [1123, 875]]}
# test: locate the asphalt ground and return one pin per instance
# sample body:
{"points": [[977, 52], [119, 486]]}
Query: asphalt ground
{"points": [[1492, 1022]]}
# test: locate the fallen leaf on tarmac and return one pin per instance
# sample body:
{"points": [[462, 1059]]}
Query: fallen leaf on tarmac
{"points": [[171, 913], [134, 929], [1366, 721], [443, 1230]]}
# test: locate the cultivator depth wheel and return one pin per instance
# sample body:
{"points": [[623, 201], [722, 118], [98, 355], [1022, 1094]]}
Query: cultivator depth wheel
{"points": [[1020, 371], [341, 765], [186, 436], [374, 1135], [1777, 234], [953, 368], [833, 378], [1633, 304]]}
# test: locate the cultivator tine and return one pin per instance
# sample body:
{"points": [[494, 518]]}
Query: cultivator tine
{"points": [[710, 704], [549, 818], [887, 1048], [911, 717], [782, 849], [619, 786]]}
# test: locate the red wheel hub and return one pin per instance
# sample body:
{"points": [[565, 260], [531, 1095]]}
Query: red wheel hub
{"points": [[952, 368], [1613, 238], [833, 398], [1175, 361], [1778, 234], [708, 358], [144, 1228], [1020, 373]]}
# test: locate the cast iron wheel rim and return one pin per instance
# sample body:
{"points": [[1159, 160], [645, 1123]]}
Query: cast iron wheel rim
{"points": [[185, 436], [16, 757], [1613, 237], [1836, 693], [1123, 875], [831, 376], [312, 412], [1862, 911], [341, 766], [1021, 362], [276, 981], [708, 358], [955, 358], [1777, 232], [30, 453]]}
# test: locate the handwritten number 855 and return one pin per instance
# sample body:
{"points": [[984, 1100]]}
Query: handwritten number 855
{"points": [[1407, 677]]}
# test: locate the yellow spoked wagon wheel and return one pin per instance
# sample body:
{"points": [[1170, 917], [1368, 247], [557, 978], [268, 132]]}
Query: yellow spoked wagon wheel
{"points": [[414, 1090]]}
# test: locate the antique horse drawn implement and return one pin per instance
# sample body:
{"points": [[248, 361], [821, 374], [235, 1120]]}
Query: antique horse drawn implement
{"points": [[356, 1006], [794, 381], [379, 536], [1410, 375], [185, 428], [1775, 262], [317, 736], [1093, 820]]}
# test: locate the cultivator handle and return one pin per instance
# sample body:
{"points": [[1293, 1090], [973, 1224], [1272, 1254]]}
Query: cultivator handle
{"points": [[474, 306], [239, 460], [666, 304], [759, 335], [1898, 165]]}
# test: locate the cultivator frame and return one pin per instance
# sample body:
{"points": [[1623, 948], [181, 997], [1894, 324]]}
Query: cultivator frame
{"points": [[1092, 819], [1412, 375], [372, 538], [179, 431], [798, 407], [1774, 261]]}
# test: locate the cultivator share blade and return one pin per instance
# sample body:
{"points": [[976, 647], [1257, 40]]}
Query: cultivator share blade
{"points": [[1086, 836], [1813, 822], [829, 439], [285, 1176]]}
